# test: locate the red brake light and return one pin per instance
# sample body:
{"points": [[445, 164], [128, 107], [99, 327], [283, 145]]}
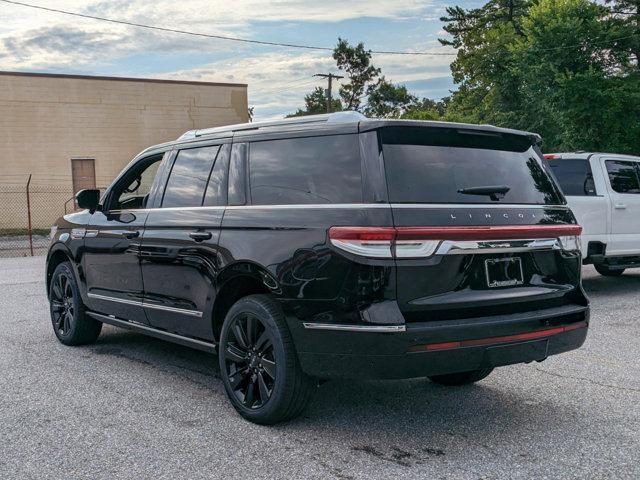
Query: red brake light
{"points": [[417, 242], [497, 232], [550, 156], [362, 233]]}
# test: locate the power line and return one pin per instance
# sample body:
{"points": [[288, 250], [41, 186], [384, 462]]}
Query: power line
{"points": [[208, 35], [293, 84]]}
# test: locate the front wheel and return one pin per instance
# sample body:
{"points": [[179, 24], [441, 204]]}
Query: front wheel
{"points": [[461, 378], [70, 323], [258, 362], [608, 271]]}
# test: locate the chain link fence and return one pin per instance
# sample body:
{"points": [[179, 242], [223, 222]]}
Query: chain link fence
{"points": [[27, 210]]}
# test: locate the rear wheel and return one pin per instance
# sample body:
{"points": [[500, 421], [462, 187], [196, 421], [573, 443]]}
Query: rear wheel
{"points": [[461, 378], [258, 363], [608, 271], [70, 323]]}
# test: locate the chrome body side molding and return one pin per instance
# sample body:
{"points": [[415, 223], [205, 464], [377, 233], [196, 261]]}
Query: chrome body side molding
{"points": [[143, 304]]}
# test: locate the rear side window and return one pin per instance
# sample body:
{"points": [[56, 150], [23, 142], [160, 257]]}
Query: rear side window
{"points": [[189, 177], [623, 176], [305, 171], [427, 165], [574, 176]]}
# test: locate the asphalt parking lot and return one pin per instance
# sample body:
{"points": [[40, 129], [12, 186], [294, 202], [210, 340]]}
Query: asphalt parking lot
{"points": [[135, 407]]}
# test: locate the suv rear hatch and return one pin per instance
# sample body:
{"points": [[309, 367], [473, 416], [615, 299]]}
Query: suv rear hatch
{"points": [[481, 228]]}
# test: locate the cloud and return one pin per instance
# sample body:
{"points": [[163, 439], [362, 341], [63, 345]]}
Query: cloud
{"points": [[278, 81], [278, 78]]}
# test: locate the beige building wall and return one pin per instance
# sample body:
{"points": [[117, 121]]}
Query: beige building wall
{"points": [[46, 120]]}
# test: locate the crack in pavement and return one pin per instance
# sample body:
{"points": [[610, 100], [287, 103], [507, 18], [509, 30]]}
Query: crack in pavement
{"points": [[589, 380]]}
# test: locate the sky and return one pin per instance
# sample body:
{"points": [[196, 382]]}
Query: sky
{"points": [[278, 77]]}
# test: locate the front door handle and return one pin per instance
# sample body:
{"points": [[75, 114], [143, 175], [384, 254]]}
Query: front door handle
{"points": [[620, 206], [200, 236], [131, 234]]}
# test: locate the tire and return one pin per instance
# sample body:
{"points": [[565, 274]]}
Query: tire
{"points": [[70, 323], [258, 362], [608, 271], [461, 378]]}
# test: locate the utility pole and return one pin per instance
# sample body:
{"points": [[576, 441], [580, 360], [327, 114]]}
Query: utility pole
{"points": [[329, 77]]}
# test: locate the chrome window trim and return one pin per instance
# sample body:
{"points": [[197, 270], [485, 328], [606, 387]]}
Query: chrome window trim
{"points": [[356, 328], [432, 206], [143, 304]]}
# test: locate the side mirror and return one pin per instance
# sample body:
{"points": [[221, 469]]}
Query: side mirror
{"points": [[89, 198]]}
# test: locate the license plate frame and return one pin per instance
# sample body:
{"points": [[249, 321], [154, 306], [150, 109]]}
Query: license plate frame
{"points": [[503, 272]]}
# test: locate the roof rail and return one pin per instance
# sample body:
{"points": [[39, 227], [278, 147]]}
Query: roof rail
{"points": [[337, 117]]}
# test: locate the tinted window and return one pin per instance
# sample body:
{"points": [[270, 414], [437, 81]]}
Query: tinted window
{"points": [[433, 166], [133, 191], [306, 170], [216, 194], [623, 176], [574, 176], [189, 176]]}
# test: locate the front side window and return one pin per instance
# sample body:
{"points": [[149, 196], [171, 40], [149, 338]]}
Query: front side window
{"points": [[132, 192], [189, 176], [427, 165], [305, 171], [623, 176], [574, 176]]}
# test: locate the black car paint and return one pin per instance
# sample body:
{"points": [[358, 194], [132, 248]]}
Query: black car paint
{"points": [[285, 250]]}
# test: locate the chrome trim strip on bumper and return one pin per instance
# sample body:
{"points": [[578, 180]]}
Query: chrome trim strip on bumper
{"points": [[465, 247], [356, 328], [143, 304]]}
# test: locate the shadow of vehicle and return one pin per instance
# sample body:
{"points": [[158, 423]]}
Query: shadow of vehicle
{"points": [[405, 422]]}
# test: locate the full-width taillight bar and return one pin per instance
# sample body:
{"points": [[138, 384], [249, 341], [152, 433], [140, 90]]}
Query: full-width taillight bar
{"points": [[414, 242]]}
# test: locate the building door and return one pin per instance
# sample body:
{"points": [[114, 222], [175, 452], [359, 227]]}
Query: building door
{"points": [[83, 173]]}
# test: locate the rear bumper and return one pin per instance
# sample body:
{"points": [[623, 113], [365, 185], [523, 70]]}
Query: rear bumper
{"points": [[435, 348]]}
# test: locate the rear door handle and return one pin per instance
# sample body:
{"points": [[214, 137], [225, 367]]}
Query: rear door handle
{"points": [[200, 236], [132, 234], [620, 206]]}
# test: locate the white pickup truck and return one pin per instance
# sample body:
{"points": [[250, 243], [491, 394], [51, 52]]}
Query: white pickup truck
{"points": [[603, 190]]}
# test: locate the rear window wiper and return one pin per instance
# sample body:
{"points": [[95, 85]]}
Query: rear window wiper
{"points": [[495, 192]]}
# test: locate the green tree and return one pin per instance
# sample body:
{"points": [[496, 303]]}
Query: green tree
{"points": [[316, 102], [355, 61], [556, 67], [573, 84], [386, 100], [427, 109], [365, 90], [625, 24]]}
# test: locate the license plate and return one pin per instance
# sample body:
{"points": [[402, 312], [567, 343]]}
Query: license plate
{"points": [[503, 272]]}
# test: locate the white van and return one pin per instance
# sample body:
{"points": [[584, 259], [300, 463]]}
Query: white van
{"points": [[603, 190]]}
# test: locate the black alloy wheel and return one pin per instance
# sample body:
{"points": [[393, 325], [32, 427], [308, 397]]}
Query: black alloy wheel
{"points": [[62, 308], [70, 322], [250, 361], [258, 362]]}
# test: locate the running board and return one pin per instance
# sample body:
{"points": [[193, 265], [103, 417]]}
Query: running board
{"points": [[152, 332]]}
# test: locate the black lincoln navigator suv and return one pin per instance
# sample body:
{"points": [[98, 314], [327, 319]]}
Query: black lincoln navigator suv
{"points": [[328, 246]]}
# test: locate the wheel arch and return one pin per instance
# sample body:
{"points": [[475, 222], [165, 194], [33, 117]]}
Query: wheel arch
{"points": [[57, 255], [236, 281]]}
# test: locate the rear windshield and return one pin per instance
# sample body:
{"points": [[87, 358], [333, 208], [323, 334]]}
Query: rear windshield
{"points": [[427, 165], [574, 176]]}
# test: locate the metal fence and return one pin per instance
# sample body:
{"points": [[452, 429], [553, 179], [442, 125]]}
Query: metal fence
{"points": [[28, 208]]}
